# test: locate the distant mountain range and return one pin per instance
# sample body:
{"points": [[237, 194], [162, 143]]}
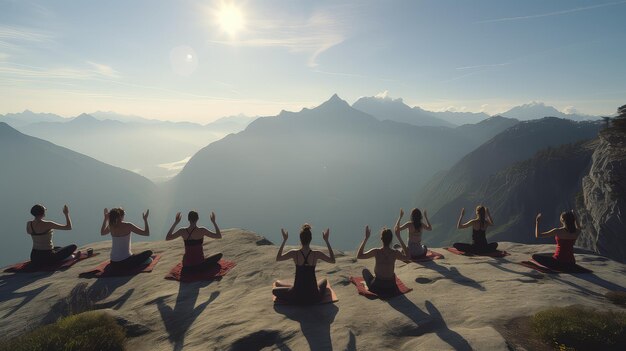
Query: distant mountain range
{"points": [[129, 142], [386, 108], [332, 165], [37, 171], [536, 110], [508, 175]]}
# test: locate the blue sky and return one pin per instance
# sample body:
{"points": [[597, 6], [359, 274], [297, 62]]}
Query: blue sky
{"points": [[199, 60]]}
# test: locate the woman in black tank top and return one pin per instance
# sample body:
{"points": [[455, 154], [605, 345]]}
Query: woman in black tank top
{"points": [[479, 226], [305, 289]]}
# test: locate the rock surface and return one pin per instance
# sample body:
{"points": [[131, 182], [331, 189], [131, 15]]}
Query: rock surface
{"points": [[604, 194], [456, 303]]}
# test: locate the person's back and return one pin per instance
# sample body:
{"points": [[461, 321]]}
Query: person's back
{"points": [[41, 231], [121, 254], [415, 228], [193, 238], [305, 288], [385, 263], [565, 237], [384, 282], [479, 227]]}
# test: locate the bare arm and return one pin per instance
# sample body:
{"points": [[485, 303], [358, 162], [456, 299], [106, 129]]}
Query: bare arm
{"points": [[139, 231], [397, 226], [426, 226], [405, 250], [539, 234], [323, 256], [465, 225], [217, 234], [170, 234], [458, 224], [402, 256], [369, 254], [280, 256], [68, 221], [489, 218], [104, 230]]}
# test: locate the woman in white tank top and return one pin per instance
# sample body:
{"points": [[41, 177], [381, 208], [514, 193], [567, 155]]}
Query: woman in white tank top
{"points": [[121, 254]]}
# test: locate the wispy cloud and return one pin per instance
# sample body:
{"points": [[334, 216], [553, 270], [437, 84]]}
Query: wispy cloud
{"points": [[320, 32], [12, 37], [90, 71], [555, 13]]}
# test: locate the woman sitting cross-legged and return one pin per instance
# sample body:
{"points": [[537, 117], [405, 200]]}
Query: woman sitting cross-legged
{"points": [[565, 237], [479, 226], [305, 289], [121, 255], [41, 230], [193, 236], [383, 283]]}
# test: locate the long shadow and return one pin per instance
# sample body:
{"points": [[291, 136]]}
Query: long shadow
{"points": [[589, 277], [314, 322], [179, 319], [453, 274], [427, 323], [532, 276], [86, 298], [27, 296], [594, 279]]}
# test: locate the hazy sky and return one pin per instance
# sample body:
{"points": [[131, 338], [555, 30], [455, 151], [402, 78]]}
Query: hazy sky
{"points": [[199, 60]]}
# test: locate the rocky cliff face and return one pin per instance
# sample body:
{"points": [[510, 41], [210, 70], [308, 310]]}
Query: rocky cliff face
{"points": [[603, 207]]}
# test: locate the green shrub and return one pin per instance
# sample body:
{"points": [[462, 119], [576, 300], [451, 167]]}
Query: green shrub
{"points": [[89, 331], [617, 297], [579, 328]]}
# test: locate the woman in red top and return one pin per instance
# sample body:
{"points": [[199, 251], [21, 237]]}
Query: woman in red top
{"points": [[193, 236], [565, 237]]}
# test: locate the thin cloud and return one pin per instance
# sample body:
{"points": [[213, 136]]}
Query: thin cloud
{"points": [[64, 73], [13, 37], [316, 35], [555, 13]]}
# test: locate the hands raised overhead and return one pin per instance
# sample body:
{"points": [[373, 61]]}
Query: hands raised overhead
{"points": [[326, 234], [145, 215], [66, 210], [106, 213], [284, 233], [367, 232], [212, 217], [538, 218], [177, 218]]}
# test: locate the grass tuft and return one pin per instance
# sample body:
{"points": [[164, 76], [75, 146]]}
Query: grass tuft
{"points": [[89, 331], [579, 328]]}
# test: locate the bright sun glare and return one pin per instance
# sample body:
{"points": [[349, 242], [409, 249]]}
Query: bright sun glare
{"points": [[230, 18]]}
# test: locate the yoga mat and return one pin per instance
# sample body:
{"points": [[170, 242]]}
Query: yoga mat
{"points": [[543, 269], [28, 267], [329, 297], [359, 282], [496, 253], [430, 255], [216, 272], [104, 270]]}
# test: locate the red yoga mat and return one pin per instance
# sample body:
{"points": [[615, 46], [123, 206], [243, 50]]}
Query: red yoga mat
{"points": [[361, 287], [28, 267], [430, 255], [496, 253], [329, 297], [543, 269], [216, 272], [104, 270]]}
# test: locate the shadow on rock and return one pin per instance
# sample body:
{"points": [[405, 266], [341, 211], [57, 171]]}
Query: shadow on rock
{"points": [[314, 322]]}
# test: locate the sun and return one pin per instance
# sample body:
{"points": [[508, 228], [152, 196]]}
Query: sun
{"points": [[230, 18]]}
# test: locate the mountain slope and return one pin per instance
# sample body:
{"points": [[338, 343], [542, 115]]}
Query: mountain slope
{"points": [[26, 117], [332, 165], [37, 171]]}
